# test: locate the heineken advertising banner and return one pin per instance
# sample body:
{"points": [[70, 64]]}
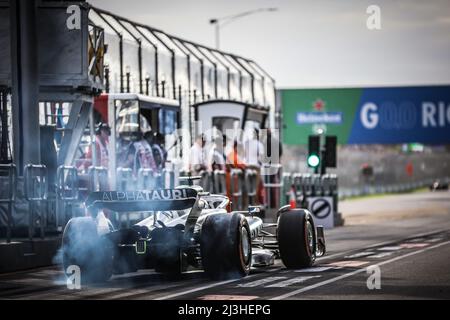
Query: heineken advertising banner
{"points": [[388, 115]]}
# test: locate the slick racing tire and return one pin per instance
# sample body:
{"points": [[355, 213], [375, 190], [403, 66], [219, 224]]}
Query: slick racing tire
{"points": [[225, 245], [296, 238], [83, 247]]}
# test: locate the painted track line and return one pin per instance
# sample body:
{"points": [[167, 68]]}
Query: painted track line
{"points": [[212, 285], [320, 284], [175, 295], [387, 242]]}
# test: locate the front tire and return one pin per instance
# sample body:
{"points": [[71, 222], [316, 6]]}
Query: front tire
{"points": [[296, 238], [225, 245], [83, 247]]}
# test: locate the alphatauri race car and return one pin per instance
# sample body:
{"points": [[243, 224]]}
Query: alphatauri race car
{"points": [[171, 230]]}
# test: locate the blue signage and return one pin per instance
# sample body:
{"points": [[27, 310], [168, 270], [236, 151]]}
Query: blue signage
{"points": [[402, 115]]}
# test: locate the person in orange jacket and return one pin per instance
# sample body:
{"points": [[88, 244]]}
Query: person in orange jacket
{"points": [[234, 161]]}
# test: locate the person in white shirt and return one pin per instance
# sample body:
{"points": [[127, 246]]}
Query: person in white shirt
{"points": [[253, 154], [216, 154], [198, 157], [253, 149]]}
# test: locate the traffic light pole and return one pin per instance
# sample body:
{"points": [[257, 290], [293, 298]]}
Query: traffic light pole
{"points": [[323, 166], [321, 153]]}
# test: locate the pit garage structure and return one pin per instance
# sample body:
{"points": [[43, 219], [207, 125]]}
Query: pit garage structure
{"points": [[58, 57]]}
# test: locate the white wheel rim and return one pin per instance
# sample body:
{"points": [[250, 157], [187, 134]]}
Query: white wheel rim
{"points": [[310, 237], [245, 244]]}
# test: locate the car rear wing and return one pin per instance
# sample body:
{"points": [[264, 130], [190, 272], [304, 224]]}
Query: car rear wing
{"points": [[146, 200]]}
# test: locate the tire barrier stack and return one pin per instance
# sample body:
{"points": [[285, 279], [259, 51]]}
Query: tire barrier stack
{"points": [[8, 175], [272, 176], [124, 179], [251, 185], [242, 185], [219, 182], [206, 181], [98, 179], [168, 179], [237, 180], [146, 179], [213, 182], [306, 186], [309, 185]]}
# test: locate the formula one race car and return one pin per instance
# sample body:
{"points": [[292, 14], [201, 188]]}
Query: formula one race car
{"points": [[180, 228]]}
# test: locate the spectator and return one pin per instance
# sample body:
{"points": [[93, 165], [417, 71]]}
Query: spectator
{"points": [[216, 157], [234, 159], [197, 161], [159, 152], [102, 133], [254, 150], [140, 154]]}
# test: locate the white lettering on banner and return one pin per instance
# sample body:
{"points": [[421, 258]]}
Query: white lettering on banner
{"points": [[164, 194], [428, 112], [131, 196], [442, 114], [319, 117], [369, 117], [404, 115], [140, 196], [156, 195], [177, 194]]}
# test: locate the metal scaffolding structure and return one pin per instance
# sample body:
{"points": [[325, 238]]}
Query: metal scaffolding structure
{"points": [[56, 60], [146, 56]]}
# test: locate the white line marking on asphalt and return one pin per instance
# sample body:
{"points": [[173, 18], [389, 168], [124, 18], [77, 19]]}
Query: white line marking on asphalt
{"points": [[320, 284], [360, 254], [212, 285], [314, 269], [375, 245], [227, 297], [215, 284], [390, 248], [348, 263], [289, 282], [414, 245], [382, 255], [259, 282], [277, 269], [416, 240]]}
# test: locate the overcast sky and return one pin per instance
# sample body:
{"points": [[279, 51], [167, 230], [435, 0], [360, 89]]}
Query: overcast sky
{"points": [[320, 43]]}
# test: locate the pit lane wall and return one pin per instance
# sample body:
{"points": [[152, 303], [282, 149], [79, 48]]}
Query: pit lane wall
{"points": [[393, 169]]}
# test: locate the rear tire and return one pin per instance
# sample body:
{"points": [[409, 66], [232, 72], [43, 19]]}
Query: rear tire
{"points": [[296, 238], [225, 245], [83, 247]]}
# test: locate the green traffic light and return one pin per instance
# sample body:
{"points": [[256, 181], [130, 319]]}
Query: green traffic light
{"points": [[313, 160]]}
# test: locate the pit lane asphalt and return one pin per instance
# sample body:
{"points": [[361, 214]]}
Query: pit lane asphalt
{"points": [[411, 247]]}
